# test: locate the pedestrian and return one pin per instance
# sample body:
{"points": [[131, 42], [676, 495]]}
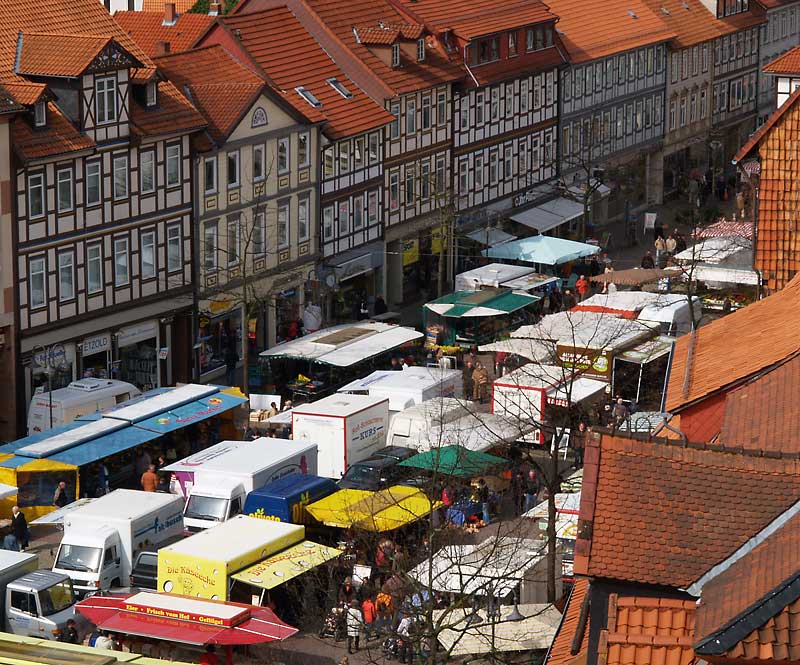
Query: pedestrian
{"points": [[404, 631], [355, 621], [149, 479], [531, 490], [582, 287], [578, 440], [380, 305], [518, 493], [396, 365], [569, 300], [680, 241], [231, 360], [61, 497], [347, 592], [480, 382], [273, 410], [620, 412], [661, 248], [670, 244], [19, 528], [370, 615], [483, 498], [648, 263], [384, 609], [105, 641], [287, 406], [210, 656], [608, 271], [70, 633]]}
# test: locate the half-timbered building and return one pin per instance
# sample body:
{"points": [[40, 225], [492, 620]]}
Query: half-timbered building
{"points": [[102, 187], [779, 34]]}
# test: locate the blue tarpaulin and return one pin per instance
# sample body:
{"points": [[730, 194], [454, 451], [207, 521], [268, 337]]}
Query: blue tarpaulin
{"points": [[188, 414], [546, 250], [104, 446]]}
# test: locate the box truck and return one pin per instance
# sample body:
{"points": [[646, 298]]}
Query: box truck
{"points": [[412, 424], [284, 500], [101, 538], [346, 428], [216, 481], [36, 603], [201, 565], [413, 385]]}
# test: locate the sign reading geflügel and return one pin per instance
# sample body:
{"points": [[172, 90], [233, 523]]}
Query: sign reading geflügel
{"points": [[227, 620]]}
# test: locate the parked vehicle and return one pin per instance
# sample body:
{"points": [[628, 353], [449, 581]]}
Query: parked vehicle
{"points": [[284, 500], [144, 571], [377, 472]]}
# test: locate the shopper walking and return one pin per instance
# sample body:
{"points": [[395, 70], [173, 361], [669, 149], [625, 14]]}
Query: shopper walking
{"points": [[149, 479], [355, 622], [483, 497], [19, 528]]}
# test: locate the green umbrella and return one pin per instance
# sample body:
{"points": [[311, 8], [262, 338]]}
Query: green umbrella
{"points": [[454, 461]]}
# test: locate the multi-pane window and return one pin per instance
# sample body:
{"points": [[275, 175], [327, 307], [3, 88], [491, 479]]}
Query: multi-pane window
{"points": [[512, 44], [283, 224], [358, 212], [327, 162], [409, 187], [478, 173], [233, 169], [426, 112], [372, 207], [37, 281], [374, 147], [147, 249], [303, 208], [210, 246], [463, 177], [66, 276], [122, 273], [120, 177], [210, 175], [174, 253], [147, 172], [344, 157], [173, 165], [441, 108], [64, 184], [283, 154], [344, 217], [303, 152], [94, 268], [394, 191], [258, 162], [508, 162], [425, 181], [93, 183], [411, 116], [327, 222], [105, 99], [233, 240], [493, 167], [495, 104], [35, 195], [394, 127], [258, 240]]}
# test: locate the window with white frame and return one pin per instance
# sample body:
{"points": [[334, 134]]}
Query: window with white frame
{"points": [[94, 190], [66, 276], [463, 177], [374, 148], [479, 102], [122, 273], [147, 252], [173, 165], [232, 159], [258, 162], [210, 175], [35, 195], [303, 149], [283, 155], [174, 253], [394, 190], [283, 224], [358, 153], [394, 126], [523, 96], [303, 211], [523, 157], [40, 114], [463, 122], [493, 167], [495, 104], [535, 154], [411, 116], [409, 187], [233, 243], [344, 217], [147, 172], [426, 112], [105, 99], [210, 243], [508, 162], [327, 222], [421, 50], [702, 104], [478, 173], [425, 181], [37, 282], [372, 207], [94, 268], [441, 108], [328, 169], [64, 190], [258, 238], [151, 93], [440, 175], [358, 212], [344, 157], [120, 177]]}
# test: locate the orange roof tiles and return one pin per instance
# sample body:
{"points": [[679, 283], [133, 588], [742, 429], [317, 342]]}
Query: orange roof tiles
{"points": [[376, 35], [58, 138], [647, 630], [8, 104], [573, 632], [174, 114], [146, 29], [660, 513], [510, 68], [735, 347], [278, 43], [181, 6], [786, 63], [507, 16], [42, 54], [761, 416], [220, 87], [588, 33]]}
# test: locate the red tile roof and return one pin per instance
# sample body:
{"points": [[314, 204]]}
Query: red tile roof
{"points": [[761, 416], [181, 6], [647, 631], [8, 103], [278, 43], [221, 88], [786, 63], [376, 35], [572, 638], [751, 610], [727, 351], [43, 54], [146, 29], [511, 68], [659, 513], [174, 114], [58, 138], [589, 33]]}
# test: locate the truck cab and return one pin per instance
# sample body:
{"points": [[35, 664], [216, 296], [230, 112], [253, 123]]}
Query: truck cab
{"points": [[91, 558], [212, 503], [40, 603]]}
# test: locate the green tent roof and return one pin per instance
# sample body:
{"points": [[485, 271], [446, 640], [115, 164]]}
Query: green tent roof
{"points": [[486, 302], [453, 461]]}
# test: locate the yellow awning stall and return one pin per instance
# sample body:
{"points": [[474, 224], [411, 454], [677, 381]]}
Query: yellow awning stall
{"points": [[285, 565], [36, 477], [381, 511]]}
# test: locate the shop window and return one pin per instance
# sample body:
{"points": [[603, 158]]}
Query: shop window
{"points": [[138, 364], [216, 335]]}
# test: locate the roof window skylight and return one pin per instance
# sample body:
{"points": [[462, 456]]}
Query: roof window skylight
{"points": [[338, 86], [309, 96]]}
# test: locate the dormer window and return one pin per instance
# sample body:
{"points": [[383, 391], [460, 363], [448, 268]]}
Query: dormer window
{"points": [[309, 96], [512, 44], [338, 86], [105, 100], [40, 114], [151, 90], [395, 55], [421, 50]]}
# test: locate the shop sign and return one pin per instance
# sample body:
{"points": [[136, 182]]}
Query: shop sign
{"points": [[219, 306], [586, 362], [163, 353], [436, 240], [354, 267], [50, 357], [96, 344], [410, 252], [526, 197], [186, 615], [137, 333]]}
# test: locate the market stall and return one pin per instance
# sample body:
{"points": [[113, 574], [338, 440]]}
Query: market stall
{"points": [[455, 461], [640, 373], [413, 385], [568, 507], [541, 250], [496, 275], [315, 365], [466, 318]]}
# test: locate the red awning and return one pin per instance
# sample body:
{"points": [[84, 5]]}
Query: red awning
{"points": [[207, 622]]}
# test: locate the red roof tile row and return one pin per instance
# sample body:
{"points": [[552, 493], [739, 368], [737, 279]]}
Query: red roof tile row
{"points": [[786, 63], [147, 29], [181, 6], [573, 631]]}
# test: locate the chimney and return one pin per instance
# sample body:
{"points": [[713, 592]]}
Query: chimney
{"points": [[162, 48], [170, 15], [214, 9]]}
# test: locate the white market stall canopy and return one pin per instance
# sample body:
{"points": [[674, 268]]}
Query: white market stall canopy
{"points": [[721, 275], [490, 237], [478, 432], [575, 391], [345, 345], [541, 249], [494, 274], [549, 215], [534, 350], [7, 491], [714, 250]]}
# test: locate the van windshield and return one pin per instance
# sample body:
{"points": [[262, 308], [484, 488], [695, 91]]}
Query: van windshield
{"points": [[57, 598], [202, 507], [79, 557]]}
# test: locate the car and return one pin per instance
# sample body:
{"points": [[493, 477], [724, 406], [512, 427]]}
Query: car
{"points": [[144, 572], [398, 453]]}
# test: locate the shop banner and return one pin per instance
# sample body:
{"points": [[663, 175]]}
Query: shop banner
{"points": [[437, 246], [410, 252], [96, 344], [137, 333], [594, 363]]}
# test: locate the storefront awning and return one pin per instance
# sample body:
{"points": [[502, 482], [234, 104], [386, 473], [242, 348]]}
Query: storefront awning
{"points": [[359, 265], [541, 249], [549, 215], [184, 620], [188, 414], [490, 237], [286, 565], [104, 446]]}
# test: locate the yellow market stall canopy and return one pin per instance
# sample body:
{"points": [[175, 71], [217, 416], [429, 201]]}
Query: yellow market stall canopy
{"points": [[286, 565]]}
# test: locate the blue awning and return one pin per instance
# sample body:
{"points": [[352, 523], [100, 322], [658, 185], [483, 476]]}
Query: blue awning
{"points": [[14, 446], [104, 446], [191, 413]]}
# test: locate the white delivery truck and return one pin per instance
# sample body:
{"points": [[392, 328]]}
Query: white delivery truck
{"points": [[216, 481], [346, 428], [35, 603], [413, 385], [101, 538], [411, 424], [77, 399]]}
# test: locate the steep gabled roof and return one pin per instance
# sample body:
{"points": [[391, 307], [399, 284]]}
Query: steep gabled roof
{"points": [[147, 29], [728, 351], [59, 55], [786, 63], [572, 638]]}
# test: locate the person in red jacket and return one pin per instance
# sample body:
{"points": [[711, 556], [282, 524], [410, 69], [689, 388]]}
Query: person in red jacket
{"points": [[370, 614], [582, 287]]}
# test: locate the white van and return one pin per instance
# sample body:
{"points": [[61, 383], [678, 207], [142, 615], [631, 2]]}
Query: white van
{"points": [[78, 399]]}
